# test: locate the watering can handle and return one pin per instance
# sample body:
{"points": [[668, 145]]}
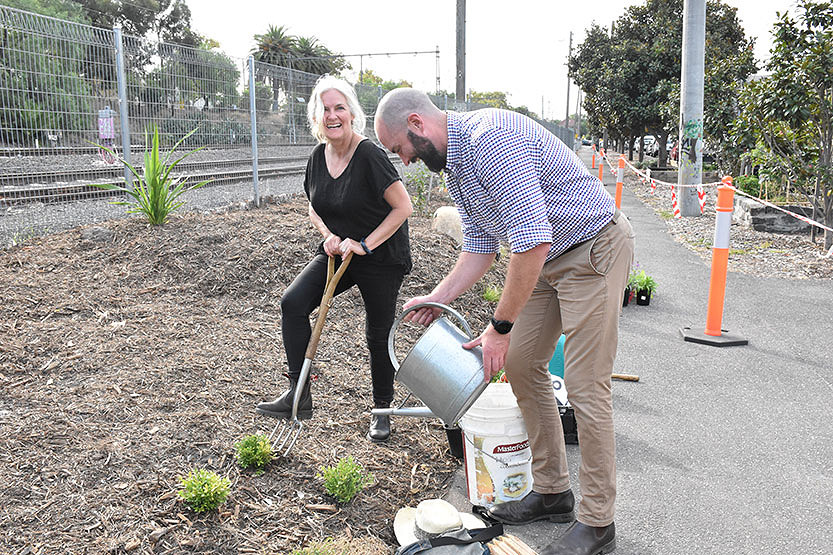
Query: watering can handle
{"points": [[396, 323]]}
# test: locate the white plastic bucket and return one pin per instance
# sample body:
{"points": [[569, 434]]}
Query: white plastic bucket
{"points": [[496, 448]]}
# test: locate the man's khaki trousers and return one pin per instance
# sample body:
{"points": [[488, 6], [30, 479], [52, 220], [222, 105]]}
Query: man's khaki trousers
{"points": [[579, 293]]}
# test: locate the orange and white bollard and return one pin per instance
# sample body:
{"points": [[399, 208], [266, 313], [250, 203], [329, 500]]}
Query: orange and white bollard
{"points": [[620, 180], [593, 166], [713, 334], [601, 164]]}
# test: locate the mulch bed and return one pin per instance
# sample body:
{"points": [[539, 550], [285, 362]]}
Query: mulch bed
{"points": [[132, 354]]}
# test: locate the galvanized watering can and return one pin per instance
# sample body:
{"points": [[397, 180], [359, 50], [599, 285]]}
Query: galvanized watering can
{"points": [[447, 378]]}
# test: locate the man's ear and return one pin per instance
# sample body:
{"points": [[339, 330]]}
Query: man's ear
{"points": [[415, 122]]}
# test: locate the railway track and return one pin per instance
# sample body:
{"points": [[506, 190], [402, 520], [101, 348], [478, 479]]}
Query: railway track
{"points": [[70, 185], [116, 171]]}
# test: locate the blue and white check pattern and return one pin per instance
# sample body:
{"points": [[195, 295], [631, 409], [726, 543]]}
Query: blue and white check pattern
{"points": [[514, 181]]}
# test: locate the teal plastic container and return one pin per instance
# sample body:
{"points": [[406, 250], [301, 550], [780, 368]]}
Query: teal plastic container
{"points": [[557, 361]]}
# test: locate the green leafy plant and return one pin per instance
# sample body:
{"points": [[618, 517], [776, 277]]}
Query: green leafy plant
{"points": [[643, 282], [254, 450], [749, 184], [345, 480], [632, 276], [420, 180], [203, 490], [492, 294], [155, 192]]}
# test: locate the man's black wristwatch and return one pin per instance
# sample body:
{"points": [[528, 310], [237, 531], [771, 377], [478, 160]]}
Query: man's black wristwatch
{"points": [[502, 326]]}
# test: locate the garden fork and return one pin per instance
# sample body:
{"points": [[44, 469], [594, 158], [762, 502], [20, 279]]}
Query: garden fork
{"points": [[289, 430]]}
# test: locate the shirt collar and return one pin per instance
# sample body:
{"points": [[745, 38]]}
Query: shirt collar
{"points": [[452, 156]]}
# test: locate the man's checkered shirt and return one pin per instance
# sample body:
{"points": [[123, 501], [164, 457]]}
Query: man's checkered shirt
{"points": [[514, 181]]}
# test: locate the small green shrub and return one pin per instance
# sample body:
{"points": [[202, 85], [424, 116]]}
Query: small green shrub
{"points": [[420, 179], [643, 281], [492, 294], [253, 450], [749, 184], [345, 480], [203, 490], [154, 192]]}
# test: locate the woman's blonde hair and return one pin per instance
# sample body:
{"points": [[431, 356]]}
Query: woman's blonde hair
{"points": [[315, 108]]}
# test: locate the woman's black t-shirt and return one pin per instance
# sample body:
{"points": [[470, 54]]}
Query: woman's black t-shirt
{"points": [[353, 204]]}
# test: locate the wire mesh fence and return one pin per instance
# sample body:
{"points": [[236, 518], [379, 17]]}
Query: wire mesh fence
{"points": [[76, 98]]}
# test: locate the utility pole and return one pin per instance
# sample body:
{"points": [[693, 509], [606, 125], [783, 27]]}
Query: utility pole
{"points": [[604, 134], [461, 50], [569, 53], [691, 105]]}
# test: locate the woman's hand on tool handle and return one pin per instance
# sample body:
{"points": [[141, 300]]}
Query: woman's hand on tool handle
{"points": [[350, 245], [332, 245], [495, 346]]}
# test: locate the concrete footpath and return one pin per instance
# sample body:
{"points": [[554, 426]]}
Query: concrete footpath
{"points": [[719, 450]]}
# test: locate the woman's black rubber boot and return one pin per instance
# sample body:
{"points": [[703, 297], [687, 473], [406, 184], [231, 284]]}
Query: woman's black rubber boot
{"points": [[282, 406], [379, 431]]}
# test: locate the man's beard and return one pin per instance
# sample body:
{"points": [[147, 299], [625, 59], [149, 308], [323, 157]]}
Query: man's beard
{"points": [[427, 152]]}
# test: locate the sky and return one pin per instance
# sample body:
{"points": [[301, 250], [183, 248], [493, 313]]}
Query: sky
{"points": [[521, 51]]}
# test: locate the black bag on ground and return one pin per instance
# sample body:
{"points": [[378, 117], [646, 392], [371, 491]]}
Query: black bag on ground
{"points": [[459, 542]]}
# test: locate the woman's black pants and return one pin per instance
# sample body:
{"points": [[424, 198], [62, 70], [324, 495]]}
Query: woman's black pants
{"points": [[379, 288]]}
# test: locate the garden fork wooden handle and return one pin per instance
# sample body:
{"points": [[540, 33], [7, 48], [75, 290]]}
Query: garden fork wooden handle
{"points": [[329, 289]]}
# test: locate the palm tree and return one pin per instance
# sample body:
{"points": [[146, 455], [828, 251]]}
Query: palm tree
{"points": [[312, 56], [274, 47]]}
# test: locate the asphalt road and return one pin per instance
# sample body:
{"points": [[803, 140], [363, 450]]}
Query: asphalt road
{"points": [[719, 449]]}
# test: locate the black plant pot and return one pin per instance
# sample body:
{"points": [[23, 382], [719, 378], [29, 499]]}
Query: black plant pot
{"points": [[643, 297], [455, 440], [627, 296]]}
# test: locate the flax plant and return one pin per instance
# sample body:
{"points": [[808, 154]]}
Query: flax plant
{"points": [[155, 192]]}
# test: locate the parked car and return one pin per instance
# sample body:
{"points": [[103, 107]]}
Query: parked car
{"points": [[585, 142]]}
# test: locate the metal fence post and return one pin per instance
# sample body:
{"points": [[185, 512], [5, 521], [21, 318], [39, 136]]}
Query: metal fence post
{"points": [[122, 88], [290, 96], [253, 117]]}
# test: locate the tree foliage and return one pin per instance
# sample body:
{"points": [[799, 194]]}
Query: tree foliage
{"points": [[277, 47], [788, 115], [43, 95], [371, 88], [163, 20], [493, 99], [630, 75]]}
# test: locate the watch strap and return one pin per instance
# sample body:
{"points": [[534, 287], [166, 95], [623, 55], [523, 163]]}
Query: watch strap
{"points": [[502, 326]]}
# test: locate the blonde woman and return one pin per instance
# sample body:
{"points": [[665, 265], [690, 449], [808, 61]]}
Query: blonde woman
{"points": [[358, 204]]}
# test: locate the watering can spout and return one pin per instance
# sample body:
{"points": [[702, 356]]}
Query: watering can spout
{"points": [[419, 412]]}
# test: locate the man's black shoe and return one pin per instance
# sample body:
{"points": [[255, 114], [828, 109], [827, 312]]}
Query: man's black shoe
{"points": [[379, 429], [282, 406], [580, 539], [555, 507]]}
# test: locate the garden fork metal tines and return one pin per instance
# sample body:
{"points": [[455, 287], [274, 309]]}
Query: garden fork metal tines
{"points": [[289, 430]]}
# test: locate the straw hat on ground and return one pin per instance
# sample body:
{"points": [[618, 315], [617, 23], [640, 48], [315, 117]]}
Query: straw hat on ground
{"points": [[431, 518]]}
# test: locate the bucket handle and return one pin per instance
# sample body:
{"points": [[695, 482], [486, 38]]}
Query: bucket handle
{"points": [[444, 308]]}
